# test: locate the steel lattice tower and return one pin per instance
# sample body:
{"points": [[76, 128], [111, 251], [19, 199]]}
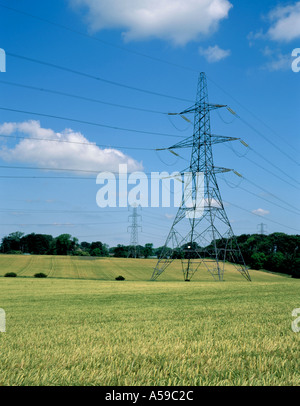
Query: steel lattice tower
{"points": [[262, 228], [207, 239], [133, 248]]}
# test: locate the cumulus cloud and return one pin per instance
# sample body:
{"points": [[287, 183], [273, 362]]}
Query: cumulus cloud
{"points": [[69, 153], [260, 212], [214, 54], [285, 23], [178, 21]]}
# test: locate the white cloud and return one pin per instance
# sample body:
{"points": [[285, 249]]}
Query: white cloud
{"points": [[277, 61], [69, 153], [178, 21], [281, 63], [285, 23], [214, 54], [260, 212]]}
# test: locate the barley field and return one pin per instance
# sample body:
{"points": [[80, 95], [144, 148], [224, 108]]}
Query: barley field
{"points": [[81, 327]]}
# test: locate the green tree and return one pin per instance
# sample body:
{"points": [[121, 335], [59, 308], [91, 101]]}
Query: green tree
{"points": [[38, 244], [258, 260], [148, 250], [277, 263], [65, 244], [96, 252], [12, 242], [102, 248], [120, 251]]}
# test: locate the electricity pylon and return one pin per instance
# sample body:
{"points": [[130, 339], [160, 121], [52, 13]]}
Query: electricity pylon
{"points": [[201, 233], [262, 228], [133, 251]]}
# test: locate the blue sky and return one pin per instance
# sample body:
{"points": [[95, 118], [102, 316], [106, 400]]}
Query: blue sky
{"points": [[109, 50]]}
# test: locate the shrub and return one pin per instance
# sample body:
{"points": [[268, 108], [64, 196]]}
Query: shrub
{"points": [[120, 278], [10, 275], [40, 275]]}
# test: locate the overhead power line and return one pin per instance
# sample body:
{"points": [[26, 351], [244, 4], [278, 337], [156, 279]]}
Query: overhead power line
{"points": [[250, 112], [39, 211], [267, 200], [92, 37], [75, 96], [45, 177], [86, 178], [98, 78], [89, 123], [62, 224], [271, 194], [76, 142], [266, 139], [272, 173], [272, 164], [264, 217], [57, 170]]}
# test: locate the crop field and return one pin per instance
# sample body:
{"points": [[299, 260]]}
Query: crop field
{"points": [[109, 268], [81, 327]]}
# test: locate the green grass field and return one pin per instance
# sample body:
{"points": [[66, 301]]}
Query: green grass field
{"points": [[107, 269], [81, 327]]}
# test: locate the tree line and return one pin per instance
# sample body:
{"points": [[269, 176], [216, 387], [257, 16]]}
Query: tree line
{"points": [[277, 252], [65, 244]]}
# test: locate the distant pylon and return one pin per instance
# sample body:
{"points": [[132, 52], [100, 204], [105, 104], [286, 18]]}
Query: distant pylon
{"points": [[262, 228], [208, 238], [133, 251]]}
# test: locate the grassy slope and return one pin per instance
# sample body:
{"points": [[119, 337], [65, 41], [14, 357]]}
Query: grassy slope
{"points": [[109, 268]]}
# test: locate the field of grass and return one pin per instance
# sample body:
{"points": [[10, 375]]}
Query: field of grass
{"points": [[67, 330], [108, 268]]}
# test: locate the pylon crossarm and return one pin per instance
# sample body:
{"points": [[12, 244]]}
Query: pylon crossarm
{"points": [[187, 143], [221, 170], [200, 106], [218, 139]]}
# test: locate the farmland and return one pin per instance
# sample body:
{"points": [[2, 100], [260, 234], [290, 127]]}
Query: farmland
{"points": [[81, 327], [108, 268]]}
